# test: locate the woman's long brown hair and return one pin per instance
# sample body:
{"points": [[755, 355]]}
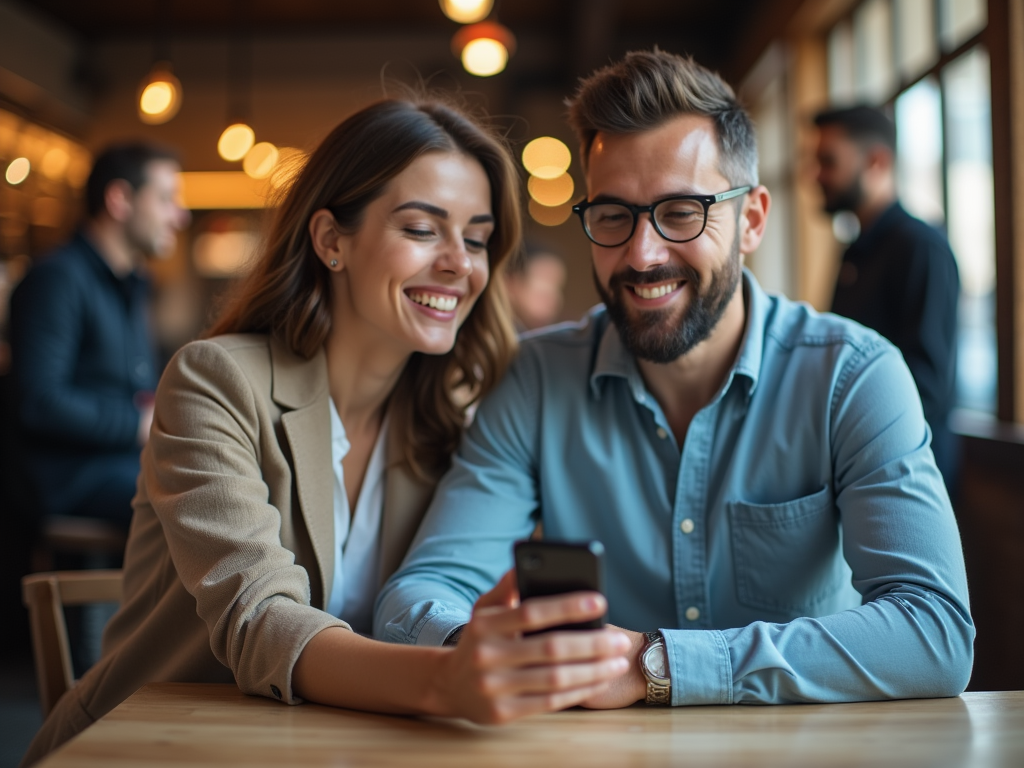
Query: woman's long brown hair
{"points": [[287, 294]]}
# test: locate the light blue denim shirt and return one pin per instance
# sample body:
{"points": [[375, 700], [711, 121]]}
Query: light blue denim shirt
{"points": [[799, 545]]}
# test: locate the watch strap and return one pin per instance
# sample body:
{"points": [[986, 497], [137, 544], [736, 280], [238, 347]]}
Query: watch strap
{"points": [[658, 692]]}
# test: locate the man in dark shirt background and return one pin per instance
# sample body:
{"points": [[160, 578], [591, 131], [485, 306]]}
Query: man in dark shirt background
{"points": [[82, 358], [899, 277]]}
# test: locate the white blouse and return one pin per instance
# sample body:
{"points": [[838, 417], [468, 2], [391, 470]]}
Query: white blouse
{"points": [[356, 537]]}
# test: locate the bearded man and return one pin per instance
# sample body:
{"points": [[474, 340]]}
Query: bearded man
{"points": [[899, 276], [774, 524]]}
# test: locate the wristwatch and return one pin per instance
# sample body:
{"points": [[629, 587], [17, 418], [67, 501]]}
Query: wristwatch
{"points": [[654, 665]]}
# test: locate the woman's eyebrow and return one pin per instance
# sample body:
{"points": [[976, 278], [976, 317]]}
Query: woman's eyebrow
{"points": [[433, 210], [441, 213]]}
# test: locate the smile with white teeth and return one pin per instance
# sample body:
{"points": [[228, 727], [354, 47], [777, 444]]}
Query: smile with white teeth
{"points": [[654, 293], [442, 303]]}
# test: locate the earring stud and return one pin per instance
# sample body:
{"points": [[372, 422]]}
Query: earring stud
{"points": [[334, 263]]}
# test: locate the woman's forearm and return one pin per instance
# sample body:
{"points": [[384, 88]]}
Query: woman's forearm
{"points": [[342, 669]]}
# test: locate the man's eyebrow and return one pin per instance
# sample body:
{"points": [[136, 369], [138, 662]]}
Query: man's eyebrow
{"points": [[680, 193]]}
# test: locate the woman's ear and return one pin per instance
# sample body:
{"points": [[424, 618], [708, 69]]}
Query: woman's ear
{"points": [[329, 242]]}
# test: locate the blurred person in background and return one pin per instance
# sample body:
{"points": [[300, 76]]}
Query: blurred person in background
{"points": [[899, 277], [82, 355], [294, 449], [536, 288]]}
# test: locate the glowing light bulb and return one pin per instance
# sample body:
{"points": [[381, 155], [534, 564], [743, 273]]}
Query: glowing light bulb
{"points": [[18, 170], [546, 157], [484, 57], [235, 142], [159, 96], [551, 192], [259, 162], [466, 11]]}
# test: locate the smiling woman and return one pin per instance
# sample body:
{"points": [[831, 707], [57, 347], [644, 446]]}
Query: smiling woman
{"points": [[294, 450]]}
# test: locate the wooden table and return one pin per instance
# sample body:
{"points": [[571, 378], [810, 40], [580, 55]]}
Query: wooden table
{"points": [[172, 724]]}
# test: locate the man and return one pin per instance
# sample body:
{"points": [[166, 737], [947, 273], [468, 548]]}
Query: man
{"points": [[82, 359], [774, 524], [536, 284], [899, 277]]}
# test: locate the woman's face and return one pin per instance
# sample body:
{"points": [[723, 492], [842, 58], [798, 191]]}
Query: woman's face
{"points": [[410, 275]]}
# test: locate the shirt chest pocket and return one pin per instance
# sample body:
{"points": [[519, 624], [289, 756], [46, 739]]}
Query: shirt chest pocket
{"points": [[786, 556]]}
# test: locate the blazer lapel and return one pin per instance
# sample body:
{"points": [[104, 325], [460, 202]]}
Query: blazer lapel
{"points": [[301, 385], [406, 499]]}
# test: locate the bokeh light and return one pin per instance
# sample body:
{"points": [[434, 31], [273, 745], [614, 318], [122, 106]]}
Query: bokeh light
{"points": [[550, 216], [466, 11], [484, 57], [55, 163], [546, 157], [235, 142], [18, 170], [259, 161], [160, 96], [551, 192]]}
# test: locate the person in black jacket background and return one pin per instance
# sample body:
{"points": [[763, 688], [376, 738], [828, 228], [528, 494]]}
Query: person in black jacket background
{"points": [[899, 277], [82, 359]]}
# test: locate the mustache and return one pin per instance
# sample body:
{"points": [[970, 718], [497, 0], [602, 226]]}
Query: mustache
{"points": [[660, 274]]}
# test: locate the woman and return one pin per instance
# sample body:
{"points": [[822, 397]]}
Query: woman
{"points": [[294, 451]]}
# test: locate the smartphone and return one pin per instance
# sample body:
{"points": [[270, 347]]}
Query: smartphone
{"points": [[545, 568]]}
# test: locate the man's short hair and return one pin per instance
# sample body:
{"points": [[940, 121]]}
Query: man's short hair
{"points": [[121, 161], [648, 88], [863, 124]]}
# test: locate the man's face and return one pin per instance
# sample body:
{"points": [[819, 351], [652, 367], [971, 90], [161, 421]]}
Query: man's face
{"points": [[156, 215], [841, 164], [665, 298]]}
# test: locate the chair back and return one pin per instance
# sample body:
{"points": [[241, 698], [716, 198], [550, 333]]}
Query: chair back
{"points": [[45, 595]]}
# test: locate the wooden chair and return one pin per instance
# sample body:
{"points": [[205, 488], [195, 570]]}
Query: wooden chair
{"points": [[86, 536], [45, 595]]}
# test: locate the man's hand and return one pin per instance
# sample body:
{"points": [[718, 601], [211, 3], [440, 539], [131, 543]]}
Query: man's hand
{"points": [[496, 675]]}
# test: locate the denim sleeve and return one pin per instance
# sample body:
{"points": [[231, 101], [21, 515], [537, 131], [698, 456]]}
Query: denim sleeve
{"points": [[486, 502], [46, 328], [912, 637]]}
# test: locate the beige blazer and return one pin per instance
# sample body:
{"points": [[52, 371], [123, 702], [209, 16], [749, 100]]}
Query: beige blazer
{"points": [[231, 549]]}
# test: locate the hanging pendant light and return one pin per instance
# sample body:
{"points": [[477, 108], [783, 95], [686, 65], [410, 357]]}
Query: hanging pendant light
{"points": [[484, 48], [159, 95]]}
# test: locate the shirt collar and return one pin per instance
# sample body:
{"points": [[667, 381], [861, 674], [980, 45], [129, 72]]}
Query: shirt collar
{"points": [[613, 359]]}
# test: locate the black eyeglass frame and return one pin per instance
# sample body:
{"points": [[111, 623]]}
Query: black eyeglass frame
{"points": [[707, 201]]}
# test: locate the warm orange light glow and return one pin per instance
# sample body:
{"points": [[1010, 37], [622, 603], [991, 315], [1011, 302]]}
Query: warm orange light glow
{"points": [[235, 142], [222, 190], [551, 192], [546, 157], [18, 170], [159, 96], [259, 162], [466, 11], [550, 217], [484, 48], [55, 163]]}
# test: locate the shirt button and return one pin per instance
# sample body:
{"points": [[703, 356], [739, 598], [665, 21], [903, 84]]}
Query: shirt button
{"points": [[692, 613], [662, 433], [686, 526]]}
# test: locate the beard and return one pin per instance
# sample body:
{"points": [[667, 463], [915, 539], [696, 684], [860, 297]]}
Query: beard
{"points": [[847, 199], [664, 335]]}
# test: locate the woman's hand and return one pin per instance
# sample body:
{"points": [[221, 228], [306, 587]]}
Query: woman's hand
{"points": [[496, 675]]}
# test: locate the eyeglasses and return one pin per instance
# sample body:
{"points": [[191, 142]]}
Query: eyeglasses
{"points": [[678, 219]]}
